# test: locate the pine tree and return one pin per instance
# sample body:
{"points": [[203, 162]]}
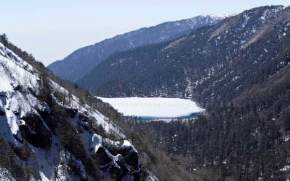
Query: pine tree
{"points": [[4, 39]]}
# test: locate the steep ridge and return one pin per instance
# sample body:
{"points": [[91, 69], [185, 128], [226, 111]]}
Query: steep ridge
{"points": [[53, 131], [82, 61], [201, 63]]}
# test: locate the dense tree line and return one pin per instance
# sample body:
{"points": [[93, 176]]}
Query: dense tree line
{"points": [[248, 136]]}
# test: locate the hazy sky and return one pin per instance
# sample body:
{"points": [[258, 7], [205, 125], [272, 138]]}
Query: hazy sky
{"points": [[51, 29]]}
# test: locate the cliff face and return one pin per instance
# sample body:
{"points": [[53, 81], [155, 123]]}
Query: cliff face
{"points": [[49, 133]]}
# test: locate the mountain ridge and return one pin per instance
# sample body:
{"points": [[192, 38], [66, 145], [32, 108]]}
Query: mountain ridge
{"points": [[183, 65], [84, 59]]}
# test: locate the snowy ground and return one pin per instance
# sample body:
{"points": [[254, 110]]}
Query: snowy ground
{"points": [[154, 106]]}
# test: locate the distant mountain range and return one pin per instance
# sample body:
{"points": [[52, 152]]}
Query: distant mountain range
{"points": [[83, 60]]}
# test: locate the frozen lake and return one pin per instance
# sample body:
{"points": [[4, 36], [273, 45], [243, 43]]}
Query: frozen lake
{"points": [[154, 107]]}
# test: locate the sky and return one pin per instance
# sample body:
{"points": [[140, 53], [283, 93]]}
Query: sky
{"points": [[52, 29]]}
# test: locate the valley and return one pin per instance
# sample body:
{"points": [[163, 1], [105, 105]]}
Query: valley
{"points": [[51, 130], [237, 70], [205, 98]]}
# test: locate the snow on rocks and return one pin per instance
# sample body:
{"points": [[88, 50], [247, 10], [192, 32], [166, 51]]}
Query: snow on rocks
{"points": [[25, 125], [5, 83], [5, 175], [286, 138], [114, 154], [286, 168], [43, 177], [246, 19], [16, 77], [72, 102], [96, 143], [152, 178], [63, 171]]}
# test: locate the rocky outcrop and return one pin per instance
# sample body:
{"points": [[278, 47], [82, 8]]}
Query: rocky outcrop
{"points": [[48, 133]]}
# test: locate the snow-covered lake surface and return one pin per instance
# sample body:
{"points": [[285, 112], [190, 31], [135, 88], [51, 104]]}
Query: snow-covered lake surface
{"points": [[155, 107]]}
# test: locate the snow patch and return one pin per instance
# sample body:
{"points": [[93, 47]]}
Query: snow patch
{"points": [[5, 83], [286, 168], [5, 175], [43, 177], [96, 143]]}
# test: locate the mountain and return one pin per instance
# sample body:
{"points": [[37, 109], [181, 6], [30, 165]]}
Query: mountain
{"points": [[238, 69], [50, 130], [229, 56], [83, 60]]}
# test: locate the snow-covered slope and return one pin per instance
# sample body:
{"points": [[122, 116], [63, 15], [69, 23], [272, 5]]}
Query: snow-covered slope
{"points": [[46, 133]]}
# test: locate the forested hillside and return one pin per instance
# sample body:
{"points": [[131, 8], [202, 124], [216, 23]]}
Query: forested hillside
{"points": [[243, 139]]}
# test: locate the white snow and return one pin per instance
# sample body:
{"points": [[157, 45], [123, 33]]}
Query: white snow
{"points": [[286, 138], [246, 19], [154, 106], [15, 72], [126, 143], [5, 175], [96, 142], [152, 178], [285, 168], [43, 177], [5, 83]]}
